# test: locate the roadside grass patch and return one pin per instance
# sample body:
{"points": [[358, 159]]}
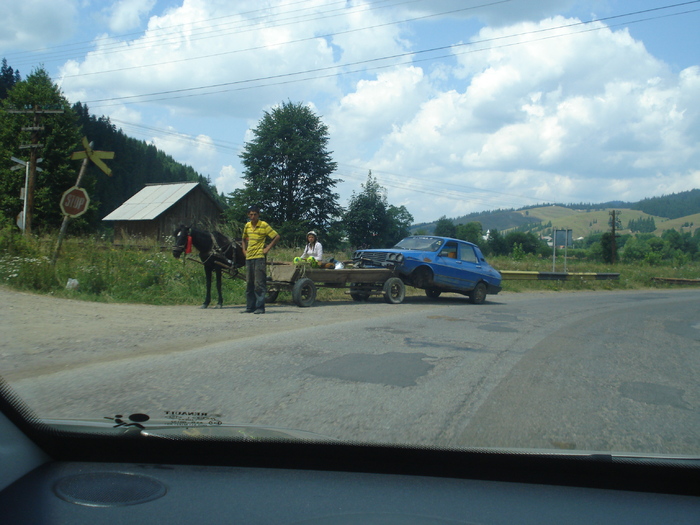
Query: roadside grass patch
{"points": [[137, 271]]}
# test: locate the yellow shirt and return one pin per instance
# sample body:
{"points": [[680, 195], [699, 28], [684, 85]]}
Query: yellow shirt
{"points": [[256, 238]]}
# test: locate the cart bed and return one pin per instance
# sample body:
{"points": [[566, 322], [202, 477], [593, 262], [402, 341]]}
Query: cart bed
{"points": [[288, 273]]}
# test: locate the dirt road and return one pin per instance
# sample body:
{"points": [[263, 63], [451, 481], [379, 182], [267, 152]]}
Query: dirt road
{"points": [[43, 334]]}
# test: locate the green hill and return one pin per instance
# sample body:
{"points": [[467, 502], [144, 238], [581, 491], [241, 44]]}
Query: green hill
{"points": [[679, 211]]}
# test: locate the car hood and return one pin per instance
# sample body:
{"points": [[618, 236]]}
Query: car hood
{"points": [[167, 429]]}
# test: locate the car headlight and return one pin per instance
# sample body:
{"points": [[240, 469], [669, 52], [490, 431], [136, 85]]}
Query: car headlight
{"points": [[399, 258]]}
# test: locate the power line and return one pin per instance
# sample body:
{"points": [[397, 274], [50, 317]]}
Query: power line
{"points": [[452, 191], [408, 56], [289, 42], [161, 38]]}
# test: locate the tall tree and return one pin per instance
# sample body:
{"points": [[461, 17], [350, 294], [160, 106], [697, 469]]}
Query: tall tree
{"points": [[472, 232], [59, 136], [445, 227], [288, 171], [8, 78], [371, 222]]}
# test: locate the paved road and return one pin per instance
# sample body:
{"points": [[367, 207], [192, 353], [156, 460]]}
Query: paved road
{"points": [[578, 371]]}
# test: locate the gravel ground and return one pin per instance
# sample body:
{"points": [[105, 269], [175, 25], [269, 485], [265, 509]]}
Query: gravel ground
{"points": [[44, 334]]}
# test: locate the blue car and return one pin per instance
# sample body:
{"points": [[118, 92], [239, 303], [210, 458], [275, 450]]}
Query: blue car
{"points": [[436, 265]]}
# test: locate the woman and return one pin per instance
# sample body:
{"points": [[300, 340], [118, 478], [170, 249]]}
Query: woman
{"points": [[313, 247]]}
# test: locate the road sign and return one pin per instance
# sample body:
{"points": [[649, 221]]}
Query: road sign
{"points": [[75, 202], [94, 156], [24, 164]]}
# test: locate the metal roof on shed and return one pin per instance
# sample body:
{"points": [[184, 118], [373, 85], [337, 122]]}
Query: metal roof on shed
{"points": [[150, 202]]}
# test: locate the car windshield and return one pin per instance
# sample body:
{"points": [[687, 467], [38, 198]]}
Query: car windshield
{"points": [[428, 244], [199, 201]]}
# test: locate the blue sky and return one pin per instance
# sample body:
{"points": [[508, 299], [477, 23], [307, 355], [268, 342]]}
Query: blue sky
{"points": [[455, 105]]}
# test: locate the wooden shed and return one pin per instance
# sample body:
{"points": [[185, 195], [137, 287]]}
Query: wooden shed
{"points": [[158, 209]]}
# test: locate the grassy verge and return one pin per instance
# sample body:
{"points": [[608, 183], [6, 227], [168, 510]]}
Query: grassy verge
{"points": [[146, 273], [632, 276]]}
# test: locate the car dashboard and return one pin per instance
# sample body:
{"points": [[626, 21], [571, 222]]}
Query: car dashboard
{"points": [[58, 477]]}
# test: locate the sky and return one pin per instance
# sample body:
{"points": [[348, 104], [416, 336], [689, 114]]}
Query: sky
{"points": [[456, 106]]}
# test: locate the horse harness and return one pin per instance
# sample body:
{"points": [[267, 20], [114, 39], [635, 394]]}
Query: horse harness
{"points": [[216, 252]]}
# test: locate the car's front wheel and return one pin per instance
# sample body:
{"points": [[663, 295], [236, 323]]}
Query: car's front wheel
{"points": [[478, 294], [422, 277]]}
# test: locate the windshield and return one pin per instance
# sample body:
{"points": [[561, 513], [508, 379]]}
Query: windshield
{"points": [[184, 190], [428, 244]]}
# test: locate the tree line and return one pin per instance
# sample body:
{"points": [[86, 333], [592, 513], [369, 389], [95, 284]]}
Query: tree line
{"points": [[135, 164], [288, 170]]}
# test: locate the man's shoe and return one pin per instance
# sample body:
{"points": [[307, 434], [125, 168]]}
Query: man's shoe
{"points": [[259, 311], [247, 311]]}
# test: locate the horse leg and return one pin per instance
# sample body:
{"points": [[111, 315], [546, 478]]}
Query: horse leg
{"points": [[220, 304], [207, 298]]}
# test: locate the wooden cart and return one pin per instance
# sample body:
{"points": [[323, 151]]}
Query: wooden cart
{"points": [[363, 283]]}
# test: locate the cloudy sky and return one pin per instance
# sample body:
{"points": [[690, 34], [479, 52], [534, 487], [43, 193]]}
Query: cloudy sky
{"points": [[455, 105]]}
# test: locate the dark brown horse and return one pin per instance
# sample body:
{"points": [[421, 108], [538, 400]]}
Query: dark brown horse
{"points": [[216, 251]]}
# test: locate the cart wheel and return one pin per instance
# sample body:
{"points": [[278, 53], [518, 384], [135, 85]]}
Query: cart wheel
{"points": [[271, 296], [432, 293], [394, 290], [357, 293], [478, 294], [304, 292]]}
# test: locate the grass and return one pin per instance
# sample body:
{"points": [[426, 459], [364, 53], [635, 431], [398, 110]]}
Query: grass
{"points": [[143, 272]]}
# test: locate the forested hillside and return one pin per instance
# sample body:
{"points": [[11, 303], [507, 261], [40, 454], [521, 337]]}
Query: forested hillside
{"points": [[58, 133], [671, 206], [135, 163], [652, 215]]}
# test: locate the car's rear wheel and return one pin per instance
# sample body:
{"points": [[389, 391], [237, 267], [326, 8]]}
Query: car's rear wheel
{"points": [[478, 294], [432, 293]]}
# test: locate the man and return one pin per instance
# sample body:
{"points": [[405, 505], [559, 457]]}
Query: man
{"points": [[255, 234]]}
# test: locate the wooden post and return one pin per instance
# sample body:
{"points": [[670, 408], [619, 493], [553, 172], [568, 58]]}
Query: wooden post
{"points": [[66, 218]]}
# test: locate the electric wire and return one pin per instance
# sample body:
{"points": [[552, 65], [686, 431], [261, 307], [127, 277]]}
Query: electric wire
{"points": [[407, 56]]}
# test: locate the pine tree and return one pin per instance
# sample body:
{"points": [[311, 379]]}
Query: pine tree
{"points": [[288, 172], [59, 136], [370, 222], [8, 78]]}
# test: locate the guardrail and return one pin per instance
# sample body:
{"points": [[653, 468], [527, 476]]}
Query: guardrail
{"points": [[556, 276], [671, 280]]}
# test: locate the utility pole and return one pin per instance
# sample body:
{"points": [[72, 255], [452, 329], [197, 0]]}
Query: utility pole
{"points": [[614, 219], [33, 148]]}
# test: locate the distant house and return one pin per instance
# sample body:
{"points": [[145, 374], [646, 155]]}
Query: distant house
{"points": [[158, 209]]}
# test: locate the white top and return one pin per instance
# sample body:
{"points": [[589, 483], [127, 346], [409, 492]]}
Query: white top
{"points": [[315, 251]]}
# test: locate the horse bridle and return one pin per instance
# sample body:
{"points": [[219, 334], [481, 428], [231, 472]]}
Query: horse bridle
{"points": [[177, 248]]}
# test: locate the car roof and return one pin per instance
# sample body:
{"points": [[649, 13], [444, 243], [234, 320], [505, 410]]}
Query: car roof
{"points": [[443, 238]]}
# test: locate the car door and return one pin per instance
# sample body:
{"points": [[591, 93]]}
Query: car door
{"points": [[470, 266], [448, 266]]}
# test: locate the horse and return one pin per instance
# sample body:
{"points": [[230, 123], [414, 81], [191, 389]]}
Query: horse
{"points": [[216, 252]]}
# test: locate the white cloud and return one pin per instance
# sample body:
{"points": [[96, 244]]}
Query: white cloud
{"points": [[375, 108], [228, 180], [125, 15], [546, 121], [32, 24], [547, 115], [248, 59]]}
